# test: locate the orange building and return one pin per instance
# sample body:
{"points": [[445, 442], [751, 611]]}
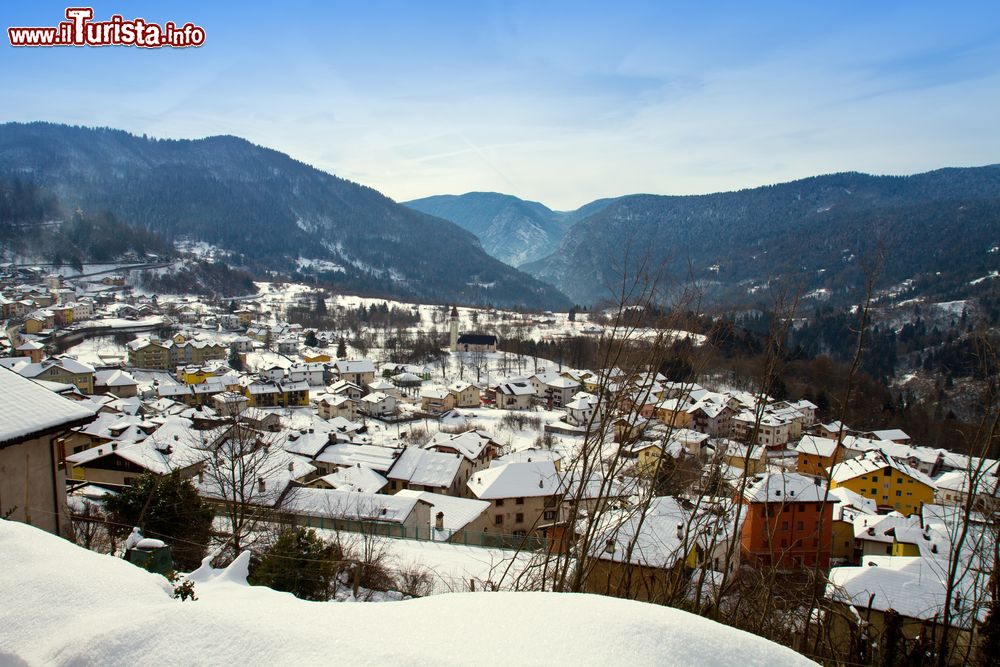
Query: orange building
{"points": [[788, 522]]}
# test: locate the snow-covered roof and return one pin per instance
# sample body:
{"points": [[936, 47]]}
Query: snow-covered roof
{"points": [[458, 512], [515, 480], [68, 364], [377, 397], [582, 401], [814, 445], [469, 444], [785, 487], [434, 393], [914, 587], [872, 461], [959, 481], [425, 468], [890, 434], [306, 442], [850, 504], [882, 527], [515, 389], [355, 366], [114, 378], [351, 505], [358, 478], [349, 454], [172, 446], [27, 408]]}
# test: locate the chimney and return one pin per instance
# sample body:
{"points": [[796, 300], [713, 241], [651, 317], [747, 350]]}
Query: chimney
{"points": [[201, 476], [439, 521], [291, 466], [680, 531], [260, 484], [541, 484], [610, 547]]}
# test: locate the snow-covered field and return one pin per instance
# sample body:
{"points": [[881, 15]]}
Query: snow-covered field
{"points": [[64, 605]]}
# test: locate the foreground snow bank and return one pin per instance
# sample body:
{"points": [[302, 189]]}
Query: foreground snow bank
{"points": [[63, 605]]}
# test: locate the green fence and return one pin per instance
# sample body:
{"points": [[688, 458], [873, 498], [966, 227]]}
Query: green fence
{"points": [[425, 533]]}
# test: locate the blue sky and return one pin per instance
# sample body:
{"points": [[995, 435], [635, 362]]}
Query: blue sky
{"points": [[560, 102]]}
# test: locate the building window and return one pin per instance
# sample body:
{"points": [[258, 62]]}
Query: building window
{"points": [[519, 501], [549, 515], [519, 518], [498, 519], [499, 503]]}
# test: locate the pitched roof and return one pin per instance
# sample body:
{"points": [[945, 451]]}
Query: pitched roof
{"points": [[28, 409], [515, 480], [786, 487], [872, 461], [816, 446], [356, 478], [349, 504], [425, 467], [458, 512], [469, 444]]}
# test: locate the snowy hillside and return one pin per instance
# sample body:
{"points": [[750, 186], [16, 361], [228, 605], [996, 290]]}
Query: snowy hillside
{"points": [[65, 605]]}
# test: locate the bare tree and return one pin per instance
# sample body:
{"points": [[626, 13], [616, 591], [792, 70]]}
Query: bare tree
{"points": [[245, 474]]}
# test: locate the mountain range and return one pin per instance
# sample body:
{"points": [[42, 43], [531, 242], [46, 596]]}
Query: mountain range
{"points": [[266, 212], [936, 233], [513, 230]]}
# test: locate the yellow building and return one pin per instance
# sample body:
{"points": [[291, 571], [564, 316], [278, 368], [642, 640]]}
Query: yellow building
{"points": [[198, 374], [648, 456], [892, 485], [150, 353], [674, 412], [270, 394], [33, 324], [244, 315], [62, 370]]}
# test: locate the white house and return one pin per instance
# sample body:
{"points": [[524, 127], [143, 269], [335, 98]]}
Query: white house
{"points": [[377, 404], [307, 372]]}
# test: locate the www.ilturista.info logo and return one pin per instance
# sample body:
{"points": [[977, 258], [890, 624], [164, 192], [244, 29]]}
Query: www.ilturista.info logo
{"points": [[81, 30]]}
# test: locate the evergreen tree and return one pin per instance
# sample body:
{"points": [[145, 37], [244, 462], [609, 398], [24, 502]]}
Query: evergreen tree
{"points": [[167, 508], [311, 339], [300, 563], [341, 349], [235, 362]]}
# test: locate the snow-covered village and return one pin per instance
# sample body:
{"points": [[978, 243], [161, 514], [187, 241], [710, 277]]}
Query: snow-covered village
{"points": [[500, 333], [410, 453]]}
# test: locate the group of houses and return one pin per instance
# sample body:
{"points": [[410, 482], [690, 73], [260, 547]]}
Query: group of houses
{"points": [[349, 446]]}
